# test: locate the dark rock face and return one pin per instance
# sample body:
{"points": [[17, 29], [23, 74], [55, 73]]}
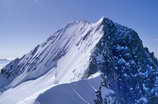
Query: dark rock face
{"points": [[131, 70]]}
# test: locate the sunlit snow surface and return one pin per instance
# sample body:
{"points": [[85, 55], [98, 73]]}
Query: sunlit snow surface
{"points": [[68, 53], [80, 92], [61, 59]]}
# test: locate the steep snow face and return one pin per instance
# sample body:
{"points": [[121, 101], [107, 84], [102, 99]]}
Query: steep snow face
{"points": [[66, 52]]}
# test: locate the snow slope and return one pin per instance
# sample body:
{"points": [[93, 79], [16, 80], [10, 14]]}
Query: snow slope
{"points": [[28, 92], [74, 93], [63, 58], [58, 53]]}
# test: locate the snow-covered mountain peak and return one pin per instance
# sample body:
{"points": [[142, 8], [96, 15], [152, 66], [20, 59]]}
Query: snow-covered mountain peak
{"points": [[61, 48], [104, 20], [79, 50]]}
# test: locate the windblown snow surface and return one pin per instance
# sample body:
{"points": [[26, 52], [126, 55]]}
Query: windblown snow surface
{"points": [[63, 58]]}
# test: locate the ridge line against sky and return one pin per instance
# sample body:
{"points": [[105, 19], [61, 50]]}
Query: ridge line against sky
{"points": [[26, 23]]}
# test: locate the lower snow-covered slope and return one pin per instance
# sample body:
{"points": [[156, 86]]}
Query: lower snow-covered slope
{"points": [[42, 91], [81, 92], [27, 90]]}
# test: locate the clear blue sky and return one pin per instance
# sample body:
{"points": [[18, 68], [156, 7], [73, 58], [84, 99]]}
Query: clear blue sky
{"points": [[25, 23]]}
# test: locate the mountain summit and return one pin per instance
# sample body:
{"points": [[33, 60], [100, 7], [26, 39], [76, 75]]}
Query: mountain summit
{"points": [[76, 53]]}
